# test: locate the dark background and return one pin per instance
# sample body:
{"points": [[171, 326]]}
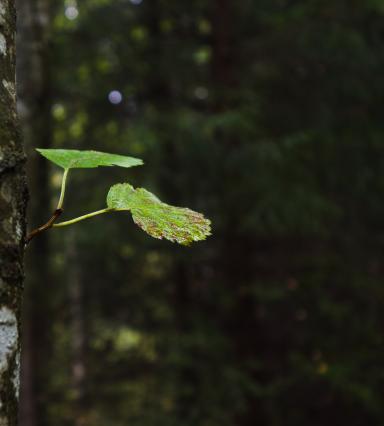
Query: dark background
{"points": [[268, 117]]}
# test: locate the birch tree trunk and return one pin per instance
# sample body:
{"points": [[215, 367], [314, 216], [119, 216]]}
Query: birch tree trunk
{"points": [[12, 220]]}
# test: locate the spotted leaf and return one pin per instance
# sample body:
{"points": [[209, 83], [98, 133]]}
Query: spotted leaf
{"points": [[158, 219]]}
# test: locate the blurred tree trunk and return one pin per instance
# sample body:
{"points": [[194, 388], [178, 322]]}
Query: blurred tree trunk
{"points": [[235, 251], [222, 53], [12, 220], [77, 333], [34, 105]]}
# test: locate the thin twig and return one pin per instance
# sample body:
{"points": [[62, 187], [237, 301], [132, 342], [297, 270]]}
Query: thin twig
{"points": [[56, 214]]}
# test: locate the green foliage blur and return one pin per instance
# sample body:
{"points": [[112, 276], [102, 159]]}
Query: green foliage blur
{"points": [[268, 117]]}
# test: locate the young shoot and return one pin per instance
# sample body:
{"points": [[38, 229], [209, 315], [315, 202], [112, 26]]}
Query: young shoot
{"points": [[158, 219]]}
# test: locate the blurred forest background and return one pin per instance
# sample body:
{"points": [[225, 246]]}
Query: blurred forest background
{"points": [[268, 117]]}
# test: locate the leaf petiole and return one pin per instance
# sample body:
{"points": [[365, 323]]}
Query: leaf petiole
{"points": [[62, 192], [80, 218]]}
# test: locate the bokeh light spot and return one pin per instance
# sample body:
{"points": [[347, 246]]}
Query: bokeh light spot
{"points": [[71, 12], [59, 112], [201, 93], [115, 97]]}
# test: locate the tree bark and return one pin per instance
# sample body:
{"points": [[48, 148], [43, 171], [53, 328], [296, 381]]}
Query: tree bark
{"points": [[12, 220]]}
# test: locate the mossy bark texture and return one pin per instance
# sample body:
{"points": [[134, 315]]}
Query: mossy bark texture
{"points": [[12, 220]]}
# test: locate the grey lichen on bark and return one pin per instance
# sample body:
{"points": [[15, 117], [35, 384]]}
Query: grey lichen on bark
{"points": [[12, 220]]}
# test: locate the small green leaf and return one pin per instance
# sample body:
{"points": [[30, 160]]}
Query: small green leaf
{"points": [[158, 219], [72, 158]]}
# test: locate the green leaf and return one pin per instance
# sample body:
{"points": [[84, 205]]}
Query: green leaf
{"points": [[158, 219], [72, 158]]}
